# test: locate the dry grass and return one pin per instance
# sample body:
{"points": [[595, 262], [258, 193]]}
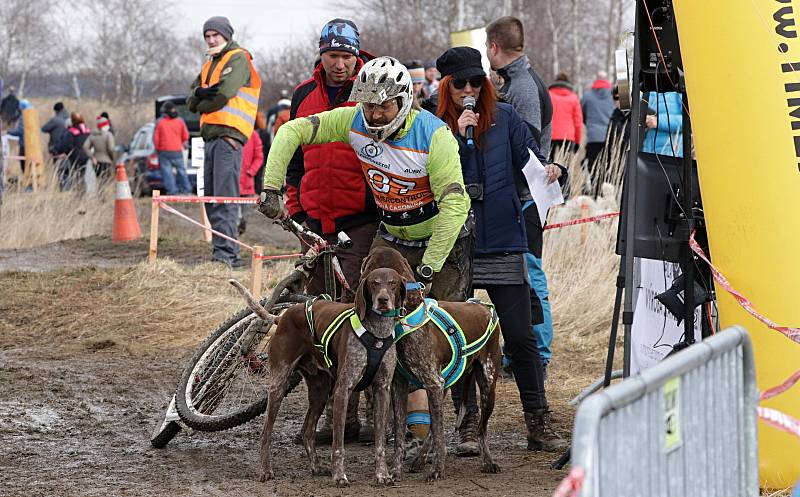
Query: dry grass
{"points": [[49, 215], [142, 309]]}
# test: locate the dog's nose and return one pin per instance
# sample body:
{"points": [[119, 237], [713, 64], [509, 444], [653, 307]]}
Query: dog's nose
{"points": [[383, 300]]}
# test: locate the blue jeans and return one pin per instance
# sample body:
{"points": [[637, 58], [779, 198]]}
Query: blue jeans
{"points": [[168, 160]]}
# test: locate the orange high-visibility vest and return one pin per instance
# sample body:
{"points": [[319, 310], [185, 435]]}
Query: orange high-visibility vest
{"points": [[240, 111]]}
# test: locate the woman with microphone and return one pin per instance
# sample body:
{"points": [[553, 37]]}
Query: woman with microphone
{"points": [[494, 145]]}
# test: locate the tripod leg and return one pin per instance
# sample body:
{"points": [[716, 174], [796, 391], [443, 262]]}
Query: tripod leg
{"points": [[612, 339]]}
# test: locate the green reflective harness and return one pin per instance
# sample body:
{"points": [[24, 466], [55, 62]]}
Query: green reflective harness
{"points": [[429, 310], [376, 347]]}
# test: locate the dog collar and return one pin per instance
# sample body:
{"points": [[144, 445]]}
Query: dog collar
{"points": [[394, 313]]}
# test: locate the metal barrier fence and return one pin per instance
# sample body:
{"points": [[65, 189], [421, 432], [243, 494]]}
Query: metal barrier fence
{"points": [[684, 427]]}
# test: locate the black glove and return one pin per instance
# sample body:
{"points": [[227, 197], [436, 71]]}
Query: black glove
{"points": [[271, 204], [424, 274], [206, 93]]}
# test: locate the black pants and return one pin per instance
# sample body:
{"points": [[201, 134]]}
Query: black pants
{"points": [[556, 147], [513, 306]]}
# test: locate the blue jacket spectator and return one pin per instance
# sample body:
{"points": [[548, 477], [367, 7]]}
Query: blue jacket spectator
{"points": [[667, 137]]}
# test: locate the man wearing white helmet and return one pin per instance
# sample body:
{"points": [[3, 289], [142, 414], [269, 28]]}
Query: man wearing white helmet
{"points": [[411, 163]]}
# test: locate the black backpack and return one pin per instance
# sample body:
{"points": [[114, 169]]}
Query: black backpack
{"points": [[9, 109]]}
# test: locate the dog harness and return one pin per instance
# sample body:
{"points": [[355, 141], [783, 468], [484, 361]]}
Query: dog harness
{"points": [[429, 310], [376, 347]]}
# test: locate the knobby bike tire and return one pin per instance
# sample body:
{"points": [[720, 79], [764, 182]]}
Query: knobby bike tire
{"points": [[209, 421], [164, 433]]}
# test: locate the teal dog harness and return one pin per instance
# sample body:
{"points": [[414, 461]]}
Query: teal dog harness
{"points": [[429, 310]]}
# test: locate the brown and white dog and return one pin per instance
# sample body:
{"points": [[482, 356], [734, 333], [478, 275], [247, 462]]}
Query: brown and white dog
{"points": [[424, 353], [293, 347]]}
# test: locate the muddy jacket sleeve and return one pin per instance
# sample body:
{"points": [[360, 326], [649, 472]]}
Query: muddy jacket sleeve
{"points": [[325, 127], [447, 184]]}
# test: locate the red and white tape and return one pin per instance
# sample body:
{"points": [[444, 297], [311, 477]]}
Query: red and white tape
{"points": [[790, 333], [186, 199], [248, 247], [786, 385], [779, 420], [581, 221], [572, 484]]}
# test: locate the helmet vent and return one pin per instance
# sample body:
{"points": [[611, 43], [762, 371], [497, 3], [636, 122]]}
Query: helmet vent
{"points": [[382, 78]]}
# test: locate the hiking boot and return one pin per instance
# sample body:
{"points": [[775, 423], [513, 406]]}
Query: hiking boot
{"points": [[541, 435], [468, 436]]}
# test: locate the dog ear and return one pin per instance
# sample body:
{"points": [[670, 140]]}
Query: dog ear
{"points": [[364, 263], [402, 291], [363, 299]]}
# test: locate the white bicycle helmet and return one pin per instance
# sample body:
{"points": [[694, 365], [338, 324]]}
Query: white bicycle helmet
{"points": [[380, 80]]}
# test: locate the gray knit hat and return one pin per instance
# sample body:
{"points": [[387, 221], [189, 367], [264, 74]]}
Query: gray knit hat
{"points": [[221, 25]]}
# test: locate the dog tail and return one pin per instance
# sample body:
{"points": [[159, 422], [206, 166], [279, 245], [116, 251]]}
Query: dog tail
{"points": [[253, 304]]}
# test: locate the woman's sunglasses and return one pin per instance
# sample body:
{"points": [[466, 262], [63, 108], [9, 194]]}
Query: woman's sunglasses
{"points": [[474, 81]]}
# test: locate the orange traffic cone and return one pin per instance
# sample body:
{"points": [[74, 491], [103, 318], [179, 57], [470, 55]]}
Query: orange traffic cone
{"points": [[126, 224]]}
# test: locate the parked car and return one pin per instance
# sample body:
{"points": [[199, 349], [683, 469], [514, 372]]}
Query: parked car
{"points": [[141, 160]]}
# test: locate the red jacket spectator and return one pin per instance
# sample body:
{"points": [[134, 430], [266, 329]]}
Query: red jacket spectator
{"points": [[325, 185], [252, 157], [170, 134], [567, 113]]}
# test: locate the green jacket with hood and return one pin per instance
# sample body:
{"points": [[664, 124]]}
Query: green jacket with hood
{"points": [[444, 173]]}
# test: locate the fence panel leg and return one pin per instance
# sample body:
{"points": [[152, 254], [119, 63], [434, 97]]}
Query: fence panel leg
{"points": [[257, 266], [206, 223], [154, 210]]}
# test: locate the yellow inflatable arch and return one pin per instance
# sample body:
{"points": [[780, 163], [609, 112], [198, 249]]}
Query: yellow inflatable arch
{"points": [[742, 66]]}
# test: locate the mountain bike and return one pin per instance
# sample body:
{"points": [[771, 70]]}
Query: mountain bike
{"points": [[224, 384]]}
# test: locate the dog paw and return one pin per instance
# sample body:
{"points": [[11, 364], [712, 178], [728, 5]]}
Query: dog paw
{"points": [[265, 476], [490, 467], [341, 481], [434, 475], [384, 480]]}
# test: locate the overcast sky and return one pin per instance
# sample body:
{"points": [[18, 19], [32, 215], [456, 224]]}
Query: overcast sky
{"points": [[265, 23]]}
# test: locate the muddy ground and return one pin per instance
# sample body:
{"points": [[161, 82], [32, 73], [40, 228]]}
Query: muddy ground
{"points": [[90, 356]]}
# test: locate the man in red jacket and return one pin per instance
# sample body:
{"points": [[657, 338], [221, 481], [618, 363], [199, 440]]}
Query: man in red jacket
{"points": [[170, 137], [325, 185], [567, 118]]}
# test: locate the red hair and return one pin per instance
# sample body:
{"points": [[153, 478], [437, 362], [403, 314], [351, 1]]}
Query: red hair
{"points": [[485, 106]]}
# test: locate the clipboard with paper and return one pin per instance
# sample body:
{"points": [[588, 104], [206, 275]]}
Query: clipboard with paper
{"points": [[544, 194]]}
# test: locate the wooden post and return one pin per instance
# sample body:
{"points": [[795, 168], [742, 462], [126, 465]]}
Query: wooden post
{"points": [[33, 149], [257, 266], [154, 210], [584, 226], [206, 223]]}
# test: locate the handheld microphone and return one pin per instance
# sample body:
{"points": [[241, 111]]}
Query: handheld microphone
{"points": [[469, 104]]}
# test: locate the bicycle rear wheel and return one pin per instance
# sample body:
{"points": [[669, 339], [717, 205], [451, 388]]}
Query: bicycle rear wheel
{"points": [[225, 383]]}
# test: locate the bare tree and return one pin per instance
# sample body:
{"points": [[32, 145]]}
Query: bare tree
{"points": [[23, 29]]}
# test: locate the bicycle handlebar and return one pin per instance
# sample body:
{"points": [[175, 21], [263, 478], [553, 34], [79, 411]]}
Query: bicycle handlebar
{"points": [[300, 232]]}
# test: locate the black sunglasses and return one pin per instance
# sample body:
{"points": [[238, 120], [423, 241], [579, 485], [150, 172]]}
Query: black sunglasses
{"points": [[474, 81]]}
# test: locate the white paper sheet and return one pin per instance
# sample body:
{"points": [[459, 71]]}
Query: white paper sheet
{"points": [[545, 195]]}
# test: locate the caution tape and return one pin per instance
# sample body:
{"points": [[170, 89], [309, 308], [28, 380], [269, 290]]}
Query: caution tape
{"points": [[786, 385], [186, 199], [779, 420], [572, 484], [792, 334], [248, 247], [582, 220]]}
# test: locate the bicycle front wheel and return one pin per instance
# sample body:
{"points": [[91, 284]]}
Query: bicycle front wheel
{"points": [[225, 384]]}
